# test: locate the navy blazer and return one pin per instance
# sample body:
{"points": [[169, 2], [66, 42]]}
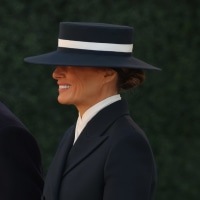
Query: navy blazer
{"points": [[111, 160], [20, 160]]}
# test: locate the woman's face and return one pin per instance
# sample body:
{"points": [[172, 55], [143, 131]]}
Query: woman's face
{"points": [[83, 86]]}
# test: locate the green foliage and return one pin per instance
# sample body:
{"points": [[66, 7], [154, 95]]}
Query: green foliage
{"points": [[166, 106]]}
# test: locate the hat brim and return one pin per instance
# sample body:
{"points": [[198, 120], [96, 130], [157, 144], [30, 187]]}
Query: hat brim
{"points": [[59, 58]]}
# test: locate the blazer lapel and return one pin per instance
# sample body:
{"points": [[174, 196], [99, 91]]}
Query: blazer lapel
{"points": [[93, 134], [55, 171], [81, 149]]}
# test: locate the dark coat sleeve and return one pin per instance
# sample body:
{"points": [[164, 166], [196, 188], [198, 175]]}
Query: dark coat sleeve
{"points": [[129, 170], [20, 165]]}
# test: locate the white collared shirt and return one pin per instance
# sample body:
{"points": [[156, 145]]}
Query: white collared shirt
{"points": [[91, 112]]}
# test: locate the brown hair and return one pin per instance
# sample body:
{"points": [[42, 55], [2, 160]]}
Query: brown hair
{"points": [[129, 78]]}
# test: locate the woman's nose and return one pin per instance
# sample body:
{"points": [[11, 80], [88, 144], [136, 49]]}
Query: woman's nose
{"points": [[57, 73]]}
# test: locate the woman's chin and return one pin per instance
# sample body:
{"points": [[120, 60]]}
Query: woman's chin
{"points": [[62, 101]]}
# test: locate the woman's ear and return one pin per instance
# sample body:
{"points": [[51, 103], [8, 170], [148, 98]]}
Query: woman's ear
{"points": [[109, 75], [109, 72]]}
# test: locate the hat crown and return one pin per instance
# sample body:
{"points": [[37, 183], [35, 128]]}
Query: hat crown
{"points": [[96, 32]]}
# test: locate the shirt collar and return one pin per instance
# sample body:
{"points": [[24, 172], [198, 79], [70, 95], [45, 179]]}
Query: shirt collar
{"points": [[92, 111]]}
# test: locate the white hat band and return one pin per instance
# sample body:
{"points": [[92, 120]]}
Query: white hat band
{"points": [[126, 48]]}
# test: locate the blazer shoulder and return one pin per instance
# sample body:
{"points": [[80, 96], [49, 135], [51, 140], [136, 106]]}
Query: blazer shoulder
{"points": [[125, 128], [8, 118], [15, 137]]}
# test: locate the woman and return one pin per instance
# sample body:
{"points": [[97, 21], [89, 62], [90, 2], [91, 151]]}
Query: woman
{"points": [[105, 155]]}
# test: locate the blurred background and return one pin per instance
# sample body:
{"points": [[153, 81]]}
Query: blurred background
{"points": [[166, 106]]}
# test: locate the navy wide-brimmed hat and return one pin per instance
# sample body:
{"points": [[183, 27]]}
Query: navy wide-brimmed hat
{"points": [[93, 45]]}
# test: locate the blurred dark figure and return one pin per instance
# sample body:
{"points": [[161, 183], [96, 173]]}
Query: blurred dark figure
{"points": [[20, 160]]}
